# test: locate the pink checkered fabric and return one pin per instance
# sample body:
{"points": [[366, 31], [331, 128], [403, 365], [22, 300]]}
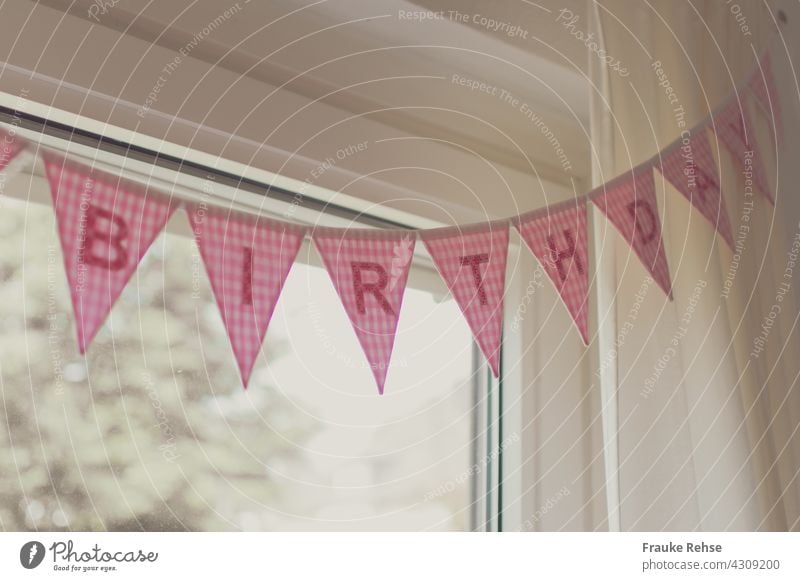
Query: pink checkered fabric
{"points": [[629, 202], [557, 237], [762, 84], [369, 269], [247, 260], [106, 224], [472, 261], [10, 146], [691, 169], [736, 131]]}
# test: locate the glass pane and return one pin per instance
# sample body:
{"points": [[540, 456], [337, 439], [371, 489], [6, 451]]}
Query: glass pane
{"points": [[153, 430]]}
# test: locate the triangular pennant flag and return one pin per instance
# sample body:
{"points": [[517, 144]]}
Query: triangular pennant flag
{"points": [[247, 259], [630, 204], [557, 237], [691, 169], [106, 224], [472, 261], [369, 269], [762, 84], [10, 146], [735, 129]]}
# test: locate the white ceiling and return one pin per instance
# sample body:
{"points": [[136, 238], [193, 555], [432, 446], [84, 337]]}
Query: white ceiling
{"points": [[274, 88], [375, 60]]}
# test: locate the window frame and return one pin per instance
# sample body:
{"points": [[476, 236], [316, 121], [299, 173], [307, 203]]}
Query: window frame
{"points": [[186, 179]]}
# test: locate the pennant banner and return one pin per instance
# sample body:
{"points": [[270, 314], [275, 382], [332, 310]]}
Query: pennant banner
{"points": [[557, 237], [472, 262], [106, 224], [369, 269], [737, 132], [762, 84], [630, 204], [247, 260], [691, 169]]}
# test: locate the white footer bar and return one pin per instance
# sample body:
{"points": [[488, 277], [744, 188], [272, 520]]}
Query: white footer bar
{"points": [[407, 556]]}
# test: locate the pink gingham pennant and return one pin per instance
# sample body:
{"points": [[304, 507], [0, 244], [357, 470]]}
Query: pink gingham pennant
{"points": [[369, 269], [689, 166], [472, 261], [10, 146], [557, 237], [247, 259], [629, 202], [736, 131], [106, 224], [762, 84]]}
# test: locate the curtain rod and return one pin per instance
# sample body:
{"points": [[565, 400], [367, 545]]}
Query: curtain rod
{"points": [[195, 169]]}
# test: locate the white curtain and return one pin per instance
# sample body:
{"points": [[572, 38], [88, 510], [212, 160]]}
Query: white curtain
{"points": [[669, 421]]}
